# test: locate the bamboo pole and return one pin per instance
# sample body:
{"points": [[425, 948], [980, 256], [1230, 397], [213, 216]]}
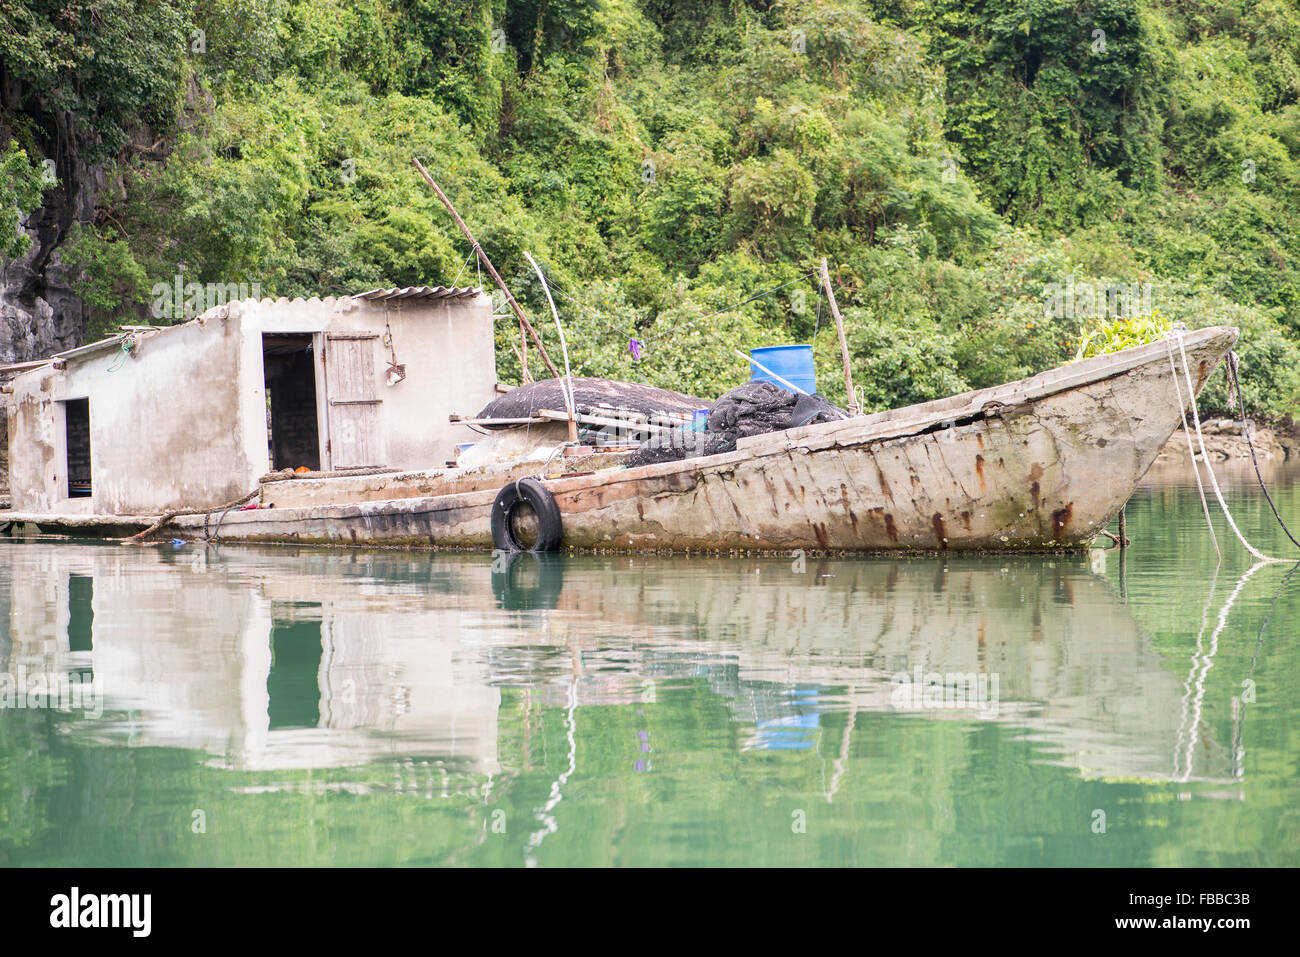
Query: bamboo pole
{"points": [[523, 320], [844, 346], [524, 375]]}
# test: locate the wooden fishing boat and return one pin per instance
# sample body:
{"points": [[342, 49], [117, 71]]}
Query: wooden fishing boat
{"points": [[1040, 464]]}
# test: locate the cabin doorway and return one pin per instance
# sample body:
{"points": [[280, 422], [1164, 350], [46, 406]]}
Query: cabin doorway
{"points": [[76, 436], [292, 427]]}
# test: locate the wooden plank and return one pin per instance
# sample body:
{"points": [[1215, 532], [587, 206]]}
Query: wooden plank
{"points": [[470, 420], [15, 367], [632, 425]]}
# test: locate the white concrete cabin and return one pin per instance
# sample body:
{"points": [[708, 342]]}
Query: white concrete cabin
{"points": [[194, 414]]}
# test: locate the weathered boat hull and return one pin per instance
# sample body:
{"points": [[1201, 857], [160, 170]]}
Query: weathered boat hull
{"points": [[1041, 464], [1009, 468]]}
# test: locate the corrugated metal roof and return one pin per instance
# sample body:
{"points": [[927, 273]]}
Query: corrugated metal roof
{"points": [[101, 345], [420, 292], [90, 348]]}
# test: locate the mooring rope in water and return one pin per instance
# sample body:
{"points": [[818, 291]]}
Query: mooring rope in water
{"points": [[166, 517], [543, 814], [1205, 457], [1187, 685], [1203, 662], [1191, 453], [1233, 361], [1239, 750]]}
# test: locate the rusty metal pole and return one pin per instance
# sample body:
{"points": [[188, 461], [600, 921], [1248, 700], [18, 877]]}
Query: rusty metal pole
{"points": [[844, 346], [487, 263]]}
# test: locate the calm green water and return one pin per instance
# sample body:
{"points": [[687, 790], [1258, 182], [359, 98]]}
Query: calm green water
{"points": [[250, 706]]}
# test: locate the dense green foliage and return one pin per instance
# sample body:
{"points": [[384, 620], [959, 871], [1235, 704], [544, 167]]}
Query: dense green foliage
{"points": [[957, 161], [20, 189]]}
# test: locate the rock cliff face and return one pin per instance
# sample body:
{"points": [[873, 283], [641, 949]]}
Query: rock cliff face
{"points": [[1224, 441], [39, 312]]}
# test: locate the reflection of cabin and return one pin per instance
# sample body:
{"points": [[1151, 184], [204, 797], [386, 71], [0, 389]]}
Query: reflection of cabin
{"points": [[192, 415], [301, 666]]}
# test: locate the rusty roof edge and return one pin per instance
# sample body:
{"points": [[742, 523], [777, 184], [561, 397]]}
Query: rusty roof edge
{"points": [[419, 292], [18, 368], [89, 349]]}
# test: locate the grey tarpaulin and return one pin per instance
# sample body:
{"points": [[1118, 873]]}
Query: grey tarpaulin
{"points": [[590, 397]]}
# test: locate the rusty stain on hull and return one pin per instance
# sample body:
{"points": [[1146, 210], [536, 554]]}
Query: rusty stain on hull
{"points": [[940, 533], [1061, 520]]}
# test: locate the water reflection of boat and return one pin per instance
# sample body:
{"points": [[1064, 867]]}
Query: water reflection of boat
{"points": [[317, 659]]}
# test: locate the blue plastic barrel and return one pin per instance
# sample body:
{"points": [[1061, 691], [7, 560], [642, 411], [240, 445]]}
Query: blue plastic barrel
{"points": [[792, 363]]}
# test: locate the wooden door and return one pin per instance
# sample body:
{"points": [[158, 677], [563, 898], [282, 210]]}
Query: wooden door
{"points": [[355, 440]]}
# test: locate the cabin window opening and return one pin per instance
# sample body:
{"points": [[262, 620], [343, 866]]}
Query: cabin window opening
{"points": [[292, 432], [76, 428]]}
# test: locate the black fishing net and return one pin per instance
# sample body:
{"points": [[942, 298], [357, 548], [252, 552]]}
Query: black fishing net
{"points": [[670, 448], [750, 409]]}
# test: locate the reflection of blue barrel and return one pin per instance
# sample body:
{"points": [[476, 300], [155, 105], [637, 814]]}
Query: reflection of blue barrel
{"points": [[792, 363]]}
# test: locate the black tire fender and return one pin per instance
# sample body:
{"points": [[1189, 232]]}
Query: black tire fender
{"points": [[550, 527]]}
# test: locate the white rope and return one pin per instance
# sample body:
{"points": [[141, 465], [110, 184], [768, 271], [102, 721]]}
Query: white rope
{"points": [[564, 346], [1205, 457], [1191, 453], [472, 252]]}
